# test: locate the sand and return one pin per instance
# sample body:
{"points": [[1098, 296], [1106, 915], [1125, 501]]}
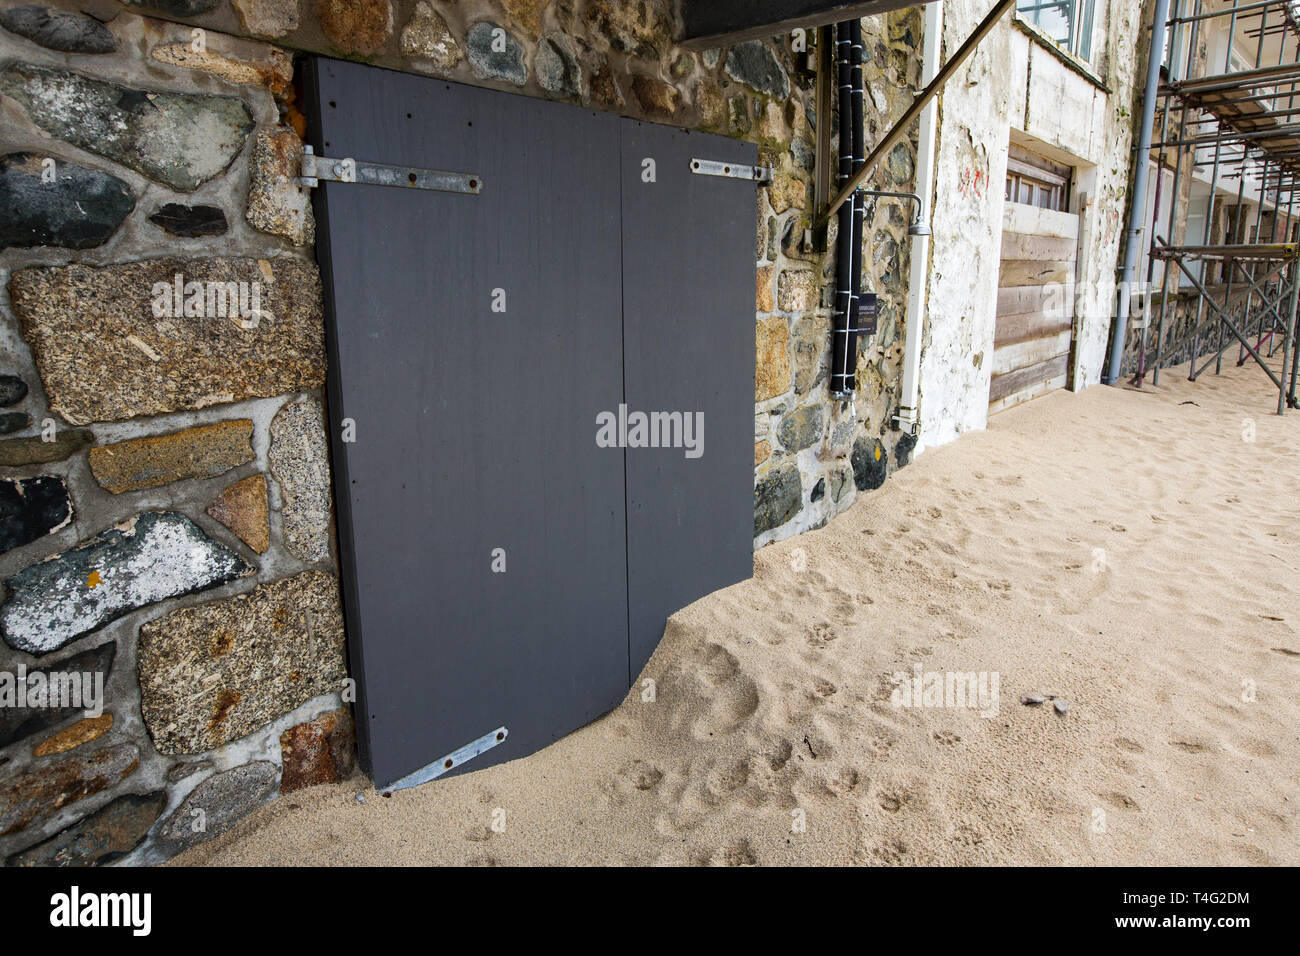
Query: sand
{"points": [[1129, 552]]}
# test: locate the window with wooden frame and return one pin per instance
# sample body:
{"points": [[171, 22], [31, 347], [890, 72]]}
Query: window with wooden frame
{"points": [[1069, 23], [1033, 180]]}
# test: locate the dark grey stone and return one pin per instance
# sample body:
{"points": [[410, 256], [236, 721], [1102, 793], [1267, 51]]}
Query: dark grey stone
{"points": [[122, 123], [11, 422], [819, 490], [903, 450], [218, 802], [557, 66], [108, 834], [507, 64], [78, 209], [754, 64], [190, 221], [801, 151], [12, 390], [778, 496], [900, 165], [31, 508], [870, 463], [802, 428], [177, 8], [19, 722], [57, 30], [152, 557]]}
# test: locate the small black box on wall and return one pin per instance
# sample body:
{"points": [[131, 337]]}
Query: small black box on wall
{"points": [[868, 309]]}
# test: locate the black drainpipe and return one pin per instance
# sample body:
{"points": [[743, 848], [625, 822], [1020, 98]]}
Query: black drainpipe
{"points": [[848, 243]]}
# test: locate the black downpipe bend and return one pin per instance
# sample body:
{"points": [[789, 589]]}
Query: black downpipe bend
{"points": [[848, 244]]}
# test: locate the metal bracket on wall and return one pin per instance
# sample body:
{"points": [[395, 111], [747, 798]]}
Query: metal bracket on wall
{"points": [[452, 760], [708, 167], [316, 168]]}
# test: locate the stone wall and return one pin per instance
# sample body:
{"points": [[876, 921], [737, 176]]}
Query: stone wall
{"points": [[164, 483], [164, 477]]}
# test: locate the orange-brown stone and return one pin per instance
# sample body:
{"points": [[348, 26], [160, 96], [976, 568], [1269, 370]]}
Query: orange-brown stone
{"points": [[242, 509], [356, 26], [772, 361], [201, 452], [82, 732], [765, 301], [318, 752]]}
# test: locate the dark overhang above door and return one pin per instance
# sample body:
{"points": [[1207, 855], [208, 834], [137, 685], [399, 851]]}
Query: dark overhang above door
{"points": [[709, 23]]}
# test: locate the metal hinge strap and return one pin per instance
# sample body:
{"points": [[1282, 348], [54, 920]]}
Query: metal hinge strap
{"points": [[452, 760], [710, 167], [316, 168]]}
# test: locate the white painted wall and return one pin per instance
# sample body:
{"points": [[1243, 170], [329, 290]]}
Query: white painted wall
{"points": [[1013, 82]]}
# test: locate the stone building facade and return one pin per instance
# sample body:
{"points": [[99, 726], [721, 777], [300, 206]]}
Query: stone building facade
{"points": [[1021, 87], [166, 521]]}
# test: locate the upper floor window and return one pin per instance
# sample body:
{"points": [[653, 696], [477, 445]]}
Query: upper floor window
{"points": [[1034, 180], [1068, 22]]}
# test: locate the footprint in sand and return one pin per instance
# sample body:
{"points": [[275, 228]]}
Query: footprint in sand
{"points": [[891, 852], [1285, 651], [892, 802], [717, 665], [732, 695], [824, 688], [1120, 801], [842, 782], [641, 775], [946, 737], [779, 755], [739, 853], [1132, 746], [820, 635], [724, 780], [1190, 746]]}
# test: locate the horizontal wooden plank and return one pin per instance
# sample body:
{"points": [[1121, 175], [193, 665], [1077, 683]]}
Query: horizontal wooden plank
{"points": [[1012, 382], [1018, 355], [1017, 245], [1033, 221], [1016, 272], [1018, 300], [1024, 395], [1031, 325]]}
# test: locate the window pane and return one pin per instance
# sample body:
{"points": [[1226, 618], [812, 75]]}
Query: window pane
{"points": [[1053, 17], [1083, 39], [1068, 22]]}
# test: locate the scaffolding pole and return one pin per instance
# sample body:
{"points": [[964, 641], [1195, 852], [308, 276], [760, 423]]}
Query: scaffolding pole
{"points": [[1222, 119]]}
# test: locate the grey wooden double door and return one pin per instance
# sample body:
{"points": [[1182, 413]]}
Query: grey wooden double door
{"points": [[501, 567]]}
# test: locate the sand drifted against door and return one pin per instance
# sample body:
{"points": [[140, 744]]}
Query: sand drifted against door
{"points": [[1036, 287], [509, 557]]}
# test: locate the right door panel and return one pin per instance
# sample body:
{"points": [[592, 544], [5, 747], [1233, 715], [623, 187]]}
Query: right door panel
{"points": [[688, 347]]}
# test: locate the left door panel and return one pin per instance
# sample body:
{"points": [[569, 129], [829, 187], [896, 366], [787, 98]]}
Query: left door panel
{"points": [[474, 428]]}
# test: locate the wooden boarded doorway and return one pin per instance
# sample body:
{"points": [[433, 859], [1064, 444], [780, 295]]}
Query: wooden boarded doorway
{"points": [[1033, 333]]}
